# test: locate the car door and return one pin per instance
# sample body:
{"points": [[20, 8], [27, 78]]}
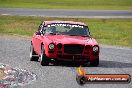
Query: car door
{"points": [[38, 44], [35, 39], [39, 39]]}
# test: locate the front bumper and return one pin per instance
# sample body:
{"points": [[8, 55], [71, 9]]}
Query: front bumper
{"points": [[73, 57]]}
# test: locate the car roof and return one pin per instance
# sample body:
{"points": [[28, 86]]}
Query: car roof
{"points": [[64, 22]]}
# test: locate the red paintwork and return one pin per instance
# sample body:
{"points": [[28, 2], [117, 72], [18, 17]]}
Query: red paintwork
{"points": [[37, 40]]}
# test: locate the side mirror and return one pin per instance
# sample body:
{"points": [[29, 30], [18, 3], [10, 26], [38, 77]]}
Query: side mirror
{"points": [[38, 33]]}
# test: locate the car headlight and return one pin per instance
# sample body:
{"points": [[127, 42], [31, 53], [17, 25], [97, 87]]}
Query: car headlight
{"points": [[95, 48], [51, 46]]}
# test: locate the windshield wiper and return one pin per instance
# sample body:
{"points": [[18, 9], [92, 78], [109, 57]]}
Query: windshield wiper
{"points": [[52, 33], [84, 35], [80, 35], [73, 35]]}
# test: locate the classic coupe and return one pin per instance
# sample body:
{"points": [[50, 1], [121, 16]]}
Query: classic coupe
{"points": [[66, 41]]}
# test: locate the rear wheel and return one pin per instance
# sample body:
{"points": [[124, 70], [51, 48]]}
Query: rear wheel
{"points": [[94, 62], [44, 61], [33, 55]]}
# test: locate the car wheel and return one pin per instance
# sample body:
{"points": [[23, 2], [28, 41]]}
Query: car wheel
{"points": [[43, 58], [94, 62], [33, 55]]}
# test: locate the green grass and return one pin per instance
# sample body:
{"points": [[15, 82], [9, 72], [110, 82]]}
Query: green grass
{"points": [[69, 4], [106, 31]]}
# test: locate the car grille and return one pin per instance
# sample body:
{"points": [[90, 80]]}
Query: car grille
{"points": [[73, 48]]}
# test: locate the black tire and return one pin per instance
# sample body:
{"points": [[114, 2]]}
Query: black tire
{"points": [[44, 61], [33, 55], [94, 62]]}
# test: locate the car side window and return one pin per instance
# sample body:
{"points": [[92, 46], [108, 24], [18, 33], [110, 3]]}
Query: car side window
{"points": [[40, 29]]}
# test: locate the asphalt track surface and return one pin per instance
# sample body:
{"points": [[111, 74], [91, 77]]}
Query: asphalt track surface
{"points": [[14, 51], [67, 13]]}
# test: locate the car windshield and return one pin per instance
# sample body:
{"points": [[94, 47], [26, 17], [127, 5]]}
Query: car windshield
{"points": [[67, 29]]}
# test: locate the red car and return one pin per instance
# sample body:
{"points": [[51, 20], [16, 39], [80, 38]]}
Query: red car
{"points": [[64, 41]]}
